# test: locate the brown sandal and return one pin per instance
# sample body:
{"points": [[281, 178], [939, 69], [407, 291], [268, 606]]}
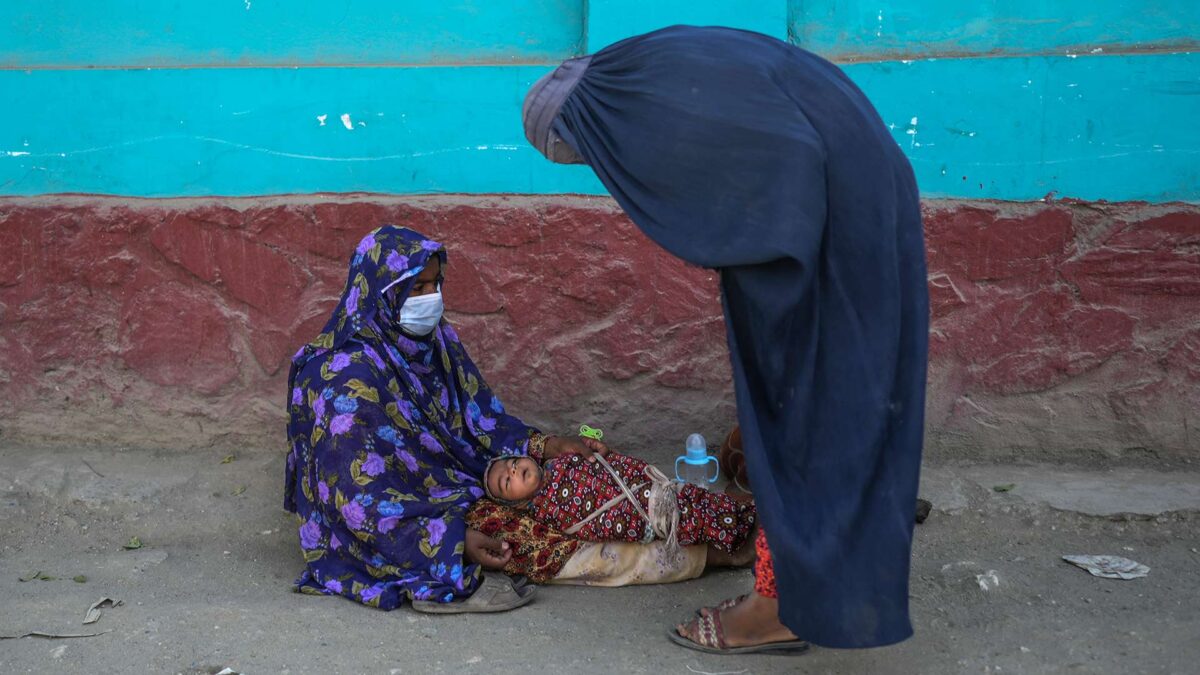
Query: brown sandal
{"points": [[723, 605], [711, 640]]}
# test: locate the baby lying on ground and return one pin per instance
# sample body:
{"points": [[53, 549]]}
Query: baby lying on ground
{"points": [[622, 498]]}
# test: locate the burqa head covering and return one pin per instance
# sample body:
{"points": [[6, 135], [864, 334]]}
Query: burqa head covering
{"points": [[737, 151], [541, 107]]}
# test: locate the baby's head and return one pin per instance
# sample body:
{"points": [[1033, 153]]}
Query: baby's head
{"points": [[511, 479]]}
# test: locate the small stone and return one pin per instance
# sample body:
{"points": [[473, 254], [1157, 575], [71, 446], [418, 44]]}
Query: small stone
{"points": [[988, 580], [924, 506]]}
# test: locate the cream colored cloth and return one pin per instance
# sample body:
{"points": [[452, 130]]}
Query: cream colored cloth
{"points": [[613, 563]]}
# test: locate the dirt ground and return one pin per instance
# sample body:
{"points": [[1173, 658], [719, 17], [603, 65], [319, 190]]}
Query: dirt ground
{"points": [[210, 587]]}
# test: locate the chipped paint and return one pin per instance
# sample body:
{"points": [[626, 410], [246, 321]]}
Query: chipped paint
{"points": [[855, 30]]}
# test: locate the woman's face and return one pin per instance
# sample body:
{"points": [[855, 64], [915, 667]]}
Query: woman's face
{"points": [[430, 279]]}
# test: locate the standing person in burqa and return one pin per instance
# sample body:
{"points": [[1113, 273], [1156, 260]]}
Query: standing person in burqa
{"points": [[738, 152]]}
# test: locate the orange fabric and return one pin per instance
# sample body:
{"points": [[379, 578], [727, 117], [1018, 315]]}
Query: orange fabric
{"points": [[764, 568]]}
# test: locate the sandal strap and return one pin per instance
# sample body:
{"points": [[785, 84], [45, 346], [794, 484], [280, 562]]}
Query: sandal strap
{"points": [[709, 632], [728, 603], [723, 605]]}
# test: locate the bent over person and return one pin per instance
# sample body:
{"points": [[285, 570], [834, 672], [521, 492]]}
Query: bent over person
{"points": [[738, 152]]}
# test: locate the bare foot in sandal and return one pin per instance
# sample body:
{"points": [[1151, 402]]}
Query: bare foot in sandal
{"points": [[751, 623], [722, 605]]}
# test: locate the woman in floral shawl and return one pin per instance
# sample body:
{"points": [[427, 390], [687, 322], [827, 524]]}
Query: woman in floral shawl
{"points": [[389, 434]]}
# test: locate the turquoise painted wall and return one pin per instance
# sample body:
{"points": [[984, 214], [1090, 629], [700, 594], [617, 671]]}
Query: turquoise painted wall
{"points": [[216, 33], [1003, 99], [874, 30]]}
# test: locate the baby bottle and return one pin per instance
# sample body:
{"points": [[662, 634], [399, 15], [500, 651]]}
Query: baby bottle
{"points": [[695, 463]]}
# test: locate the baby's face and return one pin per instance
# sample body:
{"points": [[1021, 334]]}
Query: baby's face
{"points": [[514, 478]]}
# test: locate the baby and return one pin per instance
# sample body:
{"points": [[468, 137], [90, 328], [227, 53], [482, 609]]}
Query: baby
{"points": [[621, 498]]}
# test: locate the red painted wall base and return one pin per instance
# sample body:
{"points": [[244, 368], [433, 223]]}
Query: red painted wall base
{"points": [[1058, 327]]}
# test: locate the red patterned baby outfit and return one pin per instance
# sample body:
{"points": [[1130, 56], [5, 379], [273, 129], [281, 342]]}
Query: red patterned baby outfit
{"points": [[573, 488]]}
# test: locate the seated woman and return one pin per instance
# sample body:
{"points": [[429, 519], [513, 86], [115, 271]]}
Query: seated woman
{"points": [[390, 429]]}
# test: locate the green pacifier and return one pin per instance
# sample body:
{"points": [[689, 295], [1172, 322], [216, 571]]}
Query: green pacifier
{"points": [[588, 432]]}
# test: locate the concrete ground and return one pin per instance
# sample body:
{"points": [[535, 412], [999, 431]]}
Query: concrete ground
{"points": [[210, 586]]}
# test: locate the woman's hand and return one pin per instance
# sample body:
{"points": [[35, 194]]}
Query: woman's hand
{"points": [[491, 553], [563, 445]]}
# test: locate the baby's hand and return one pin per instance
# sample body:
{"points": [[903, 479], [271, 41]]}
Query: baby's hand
{"points": [[596, 447], [587, 448]]}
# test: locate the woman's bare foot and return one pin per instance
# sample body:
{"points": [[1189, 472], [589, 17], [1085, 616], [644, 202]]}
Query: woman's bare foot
{"points": [[751, 622]]}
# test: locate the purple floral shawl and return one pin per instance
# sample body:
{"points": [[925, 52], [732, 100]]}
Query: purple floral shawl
{"points": [[388, 440]]}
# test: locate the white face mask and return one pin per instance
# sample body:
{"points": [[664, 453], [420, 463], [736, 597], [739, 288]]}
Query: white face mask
{"points": [[420, 314]]}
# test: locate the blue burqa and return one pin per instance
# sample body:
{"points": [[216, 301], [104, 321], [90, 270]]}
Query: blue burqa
{"points": [[738, 152], [388, 440]]}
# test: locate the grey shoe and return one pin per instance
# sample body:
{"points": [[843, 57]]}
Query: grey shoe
{"points": [[496, 593]]}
